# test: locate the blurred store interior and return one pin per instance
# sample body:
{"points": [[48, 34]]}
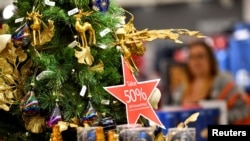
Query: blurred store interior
{"points": [[216, 19]]}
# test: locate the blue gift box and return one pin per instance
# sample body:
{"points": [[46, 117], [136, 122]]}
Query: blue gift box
{"points": [[168, 119], [171, 118]]}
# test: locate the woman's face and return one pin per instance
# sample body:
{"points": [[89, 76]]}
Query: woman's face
{"points": [[198, 61]]}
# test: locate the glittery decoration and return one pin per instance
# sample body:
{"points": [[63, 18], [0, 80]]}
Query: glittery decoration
{"points": [[55, 117], [90, 115], [22, 37], [29, 104], [99, 5]]}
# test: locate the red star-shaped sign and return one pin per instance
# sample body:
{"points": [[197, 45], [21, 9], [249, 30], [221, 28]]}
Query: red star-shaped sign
{"points": [[135, 95]]}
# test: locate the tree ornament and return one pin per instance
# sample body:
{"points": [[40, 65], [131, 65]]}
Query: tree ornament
{"points": [[99, 5], [29, 104], [15, 69], [56, 134], [22, 37], [63, 125], [132, 40], [34, 124], [90, 117], [55, 117], [98, 67], [83, 54], [41, 33]]}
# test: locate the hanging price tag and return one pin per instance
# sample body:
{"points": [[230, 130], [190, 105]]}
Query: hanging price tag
{"points": [[50, 3], [83, 91], [105, 32], [105, 102], [73, 11], [72, 44], [43, 74], [18, 20], [102, 46]]}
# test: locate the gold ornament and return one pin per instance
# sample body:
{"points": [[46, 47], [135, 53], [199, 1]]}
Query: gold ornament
{"points": [[83, 28], [34, 124], [98, 68], [63, 125], [84, 55], [56, 134], [121, 38], [12, 75], [132, 41], [38, 37]]}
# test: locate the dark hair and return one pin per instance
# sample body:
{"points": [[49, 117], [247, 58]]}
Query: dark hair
{"points": [[211, 58]]}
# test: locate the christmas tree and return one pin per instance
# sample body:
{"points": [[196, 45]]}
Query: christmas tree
{"points": [[61, 55]]}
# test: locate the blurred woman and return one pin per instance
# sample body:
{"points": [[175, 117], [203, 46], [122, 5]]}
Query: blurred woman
{"points": [[205, 82]]}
